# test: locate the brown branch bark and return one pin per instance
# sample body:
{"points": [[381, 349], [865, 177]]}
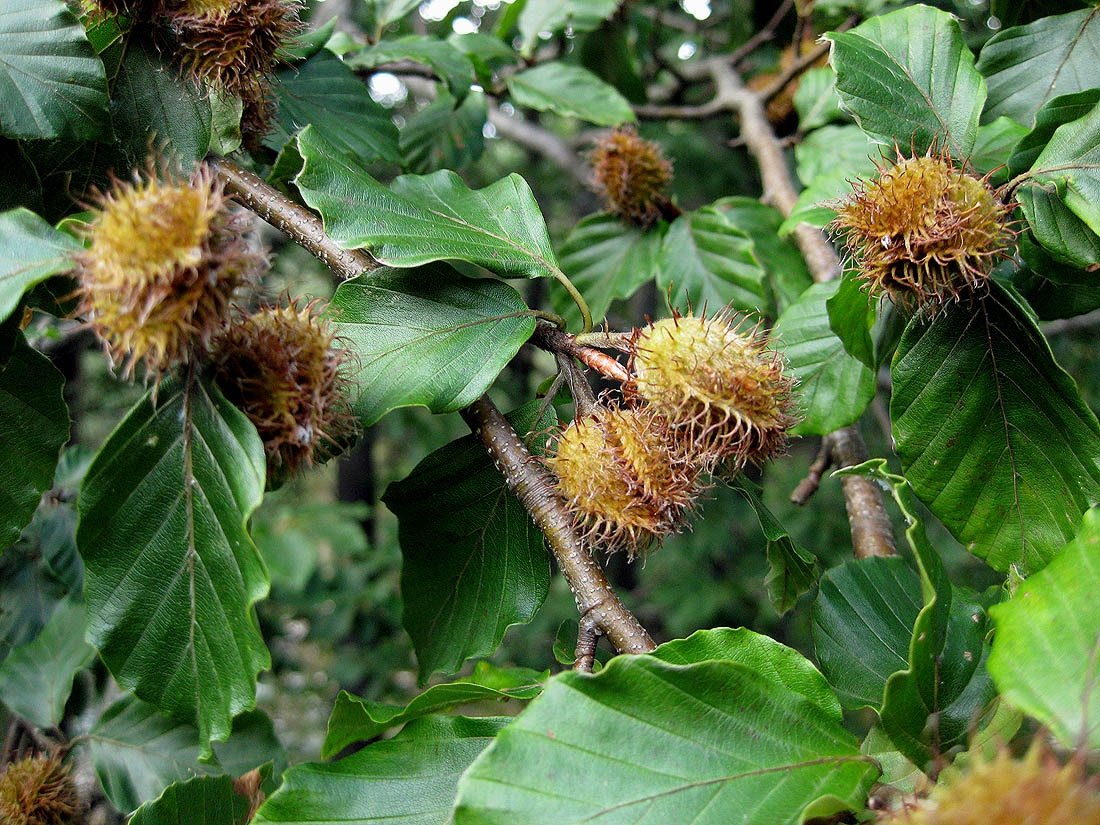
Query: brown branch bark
{"points": [[524, 474], [872, 534], [535, 488]]}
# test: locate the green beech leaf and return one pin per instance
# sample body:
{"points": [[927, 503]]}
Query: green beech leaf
{"points": [[34, 426], [446, 60], [792, 569], [52, 84], [908, 78], [1026, 66], [138, 752], [30, 252], [547, 17], [974, 387], [827, 162], [171, 573], [1048, 634], [358, 720], [721, 741], [423, 219], [150, 99], [324, 92], [427, 337], [706, 261], [1071, 161], [474, 564], [996, 141], [442, 135], [1060, 232], [1055, 113], [786, 268], [389, 11], [570, 91], [862, 625], [852, 315], [833, 387], [816, 100], [37, 678], [606, 260], [938, 700], [204, 800], [407, 780]]}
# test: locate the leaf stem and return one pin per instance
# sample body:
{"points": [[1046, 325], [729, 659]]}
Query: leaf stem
{"points": [[578, 299], [535, 488]]}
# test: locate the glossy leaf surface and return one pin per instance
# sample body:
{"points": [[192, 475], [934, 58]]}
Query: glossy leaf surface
{"points": [[427, 337], [423, 219], [570, 91], [992, 433]]}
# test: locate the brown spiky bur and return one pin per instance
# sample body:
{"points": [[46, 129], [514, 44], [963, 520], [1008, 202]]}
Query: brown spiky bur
{"points": [[283, 368], [724, 392], [38, 790], [631, 175], [232, 45], [1035, 790], [924, 231], [624, 476], [163, 258]]}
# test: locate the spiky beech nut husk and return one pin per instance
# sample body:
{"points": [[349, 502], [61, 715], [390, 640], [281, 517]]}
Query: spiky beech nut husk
{"points": [[624, 477], [631, 175], [924, 231], [283, 367], [724, 392], [163, 258], [38, 790], [1035, 790], [232, 44]]}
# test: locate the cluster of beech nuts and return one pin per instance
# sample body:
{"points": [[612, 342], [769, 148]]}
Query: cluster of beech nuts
{"points": [[164, 259], [924, 232], [38, 790], [703, 397], [231, 46]]}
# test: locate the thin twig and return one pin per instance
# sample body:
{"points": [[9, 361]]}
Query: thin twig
{"points": [[535, 488], [554, 340], [872, 533], [799, 66], [764, 35], [537, 139], [588, 634], [808, 486]]}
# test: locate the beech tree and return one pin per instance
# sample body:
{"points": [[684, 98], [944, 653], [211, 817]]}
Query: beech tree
{"points": [[893, 207]]}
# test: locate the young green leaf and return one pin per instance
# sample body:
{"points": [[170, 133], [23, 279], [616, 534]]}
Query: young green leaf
{"points": [[204, 800], [570, 91], [358, 720], [706, 261], [1045, 652], [30, 252], [407, 780], [908, 78], [427, 337], [1071, 161], [171, 573], [833, 387], [974, 386]]}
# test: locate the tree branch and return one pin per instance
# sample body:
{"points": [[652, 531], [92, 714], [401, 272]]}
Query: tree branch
{"points": [[537, 139], [524, 474], [535, 488], [872, 533], [303, 227]]}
